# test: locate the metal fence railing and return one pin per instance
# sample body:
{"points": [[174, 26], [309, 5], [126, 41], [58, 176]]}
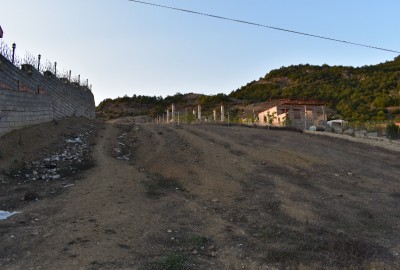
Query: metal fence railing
{"points": [[42, 66]]}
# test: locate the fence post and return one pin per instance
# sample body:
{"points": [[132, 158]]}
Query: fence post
{"points": [[38, 65], [199, 112], [14, 46], [305, 117], [167, 115], [173, 113]]}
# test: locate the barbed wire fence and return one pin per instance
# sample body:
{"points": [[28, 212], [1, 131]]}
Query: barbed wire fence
{"points": [[43, 67]]}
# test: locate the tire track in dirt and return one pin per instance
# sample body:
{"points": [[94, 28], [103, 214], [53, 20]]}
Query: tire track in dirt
{"points": [[183, 161]]}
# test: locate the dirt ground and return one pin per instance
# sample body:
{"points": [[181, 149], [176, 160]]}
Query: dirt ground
{"points": [[130, 195]]}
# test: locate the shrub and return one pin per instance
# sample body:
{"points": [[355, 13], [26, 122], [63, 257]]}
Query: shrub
{"points": [[393, 131]]}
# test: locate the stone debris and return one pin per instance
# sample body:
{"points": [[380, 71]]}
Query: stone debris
{"points": [[75, 140], [47, 235], [65, 159], [122, 135], [122, 151], [126, 158]]}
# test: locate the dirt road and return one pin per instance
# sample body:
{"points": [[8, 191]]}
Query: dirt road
{"points": [[212, 197]]}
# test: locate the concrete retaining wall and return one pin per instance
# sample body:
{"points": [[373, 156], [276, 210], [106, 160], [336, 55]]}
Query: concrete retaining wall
{"points": [[27, 97], [20, 109]]}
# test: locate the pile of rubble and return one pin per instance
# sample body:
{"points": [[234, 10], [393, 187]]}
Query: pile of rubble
{"points": [[122, 151], [67, 158]]}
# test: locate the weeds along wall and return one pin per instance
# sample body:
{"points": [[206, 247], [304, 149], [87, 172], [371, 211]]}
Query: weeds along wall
{"points": [[28, 97]]}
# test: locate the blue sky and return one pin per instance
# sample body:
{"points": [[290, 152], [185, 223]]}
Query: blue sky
{"points": [[127, 48]]}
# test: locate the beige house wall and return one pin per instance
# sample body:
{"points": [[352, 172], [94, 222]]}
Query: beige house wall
{"points": [[263, 116], [298, 115]]}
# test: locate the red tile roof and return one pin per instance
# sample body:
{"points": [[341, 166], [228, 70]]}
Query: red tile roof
{"points": [[304, 102]]}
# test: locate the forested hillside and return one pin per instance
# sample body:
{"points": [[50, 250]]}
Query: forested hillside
{"points": [[364, 93], [153, 106], [357, 94]]}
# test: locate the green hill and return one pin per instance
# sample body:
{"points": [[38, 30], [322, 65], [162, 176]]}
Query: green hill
{"points": [[364, 93], [357, 94]]}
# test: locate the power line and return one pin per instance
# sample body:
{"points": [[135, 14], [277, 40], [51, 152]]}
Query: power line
{"points": [[266, 26]]}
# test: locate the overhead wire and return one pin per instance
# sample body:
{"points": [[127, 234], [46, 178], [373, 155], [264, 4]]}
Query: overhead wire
{"points": [[267, 26]]}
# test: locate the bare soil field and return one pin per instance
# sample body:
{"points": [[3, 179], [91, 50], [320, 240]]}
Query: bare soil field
{"points": [[130, 195]]}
